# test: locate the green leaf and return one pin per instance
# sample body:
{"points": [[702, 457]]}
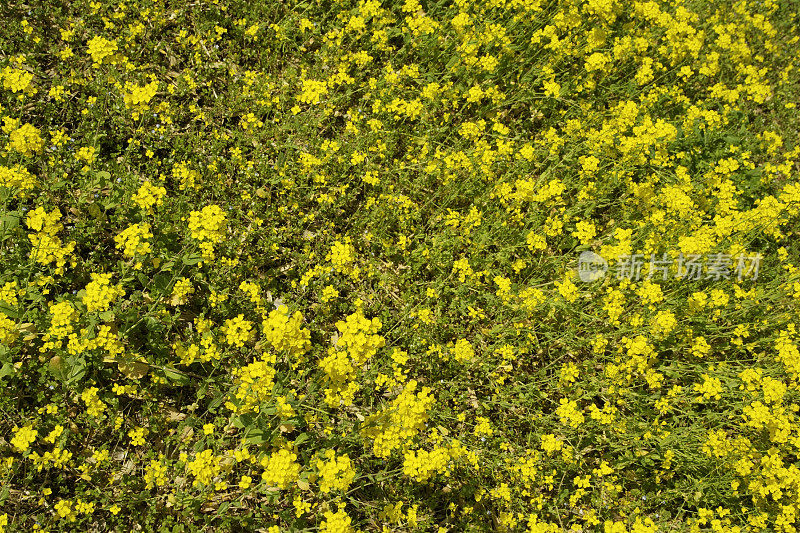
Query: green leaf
{"points": [[191, 259], [243, 421], [161, 281], [176, 377], [134, 369], [8, 222], [256, 436], [6, 370], [95, 211], [216, 403], [76, 369], [10, 312]]}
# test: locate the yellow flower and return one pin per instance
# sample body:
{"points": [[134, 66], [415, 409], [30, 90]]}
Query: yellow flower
{"points": [[23, 437], [280, 469], [100, 48], [285, 333], [94, 405], [237, 331], [596, 61], [569, 413], [585, 231], [133, 240], [204, 467], [337, 522], [17, 80], [149, 196], [483, 427], [137, 436], [100, 293], [336, 472], [26, 139]]}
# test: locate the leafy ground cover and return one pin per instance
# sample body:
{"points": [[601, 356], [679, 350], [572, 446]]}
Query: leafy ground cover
{"points": [[314, 266]]}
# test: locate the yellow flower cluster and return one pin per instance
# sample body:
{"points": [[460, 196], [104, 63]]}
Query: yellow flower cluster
{"points": [[181, 291], [483, 427], [285, 332], [23, 437], [100, 48], [529, 190], [137, 436], [253, 291], [359, 336], [8, 330], [360, 341], [148, 196], [187, 177], [137, 98], [237, 331], [205, 351], [63, 315], [64, 510], [104, 339], [41, 221], [709, 389], [47, 248], [336, 472], [463, 351], [280, 468], [253, 384], [94, 405], [208, 226], [26, 140], [663, 323], [284, 408], [342, 255], [337, 522], [87, 154], [312, 91], [8, 293], [569, 413], [585, 231], [155, 474], [391, 427], [393, 514], [58, 458], [700, 347], [18, 179], [421, 465], [328, 293], [133, 240], [18, 80], [204, 467], [100, 293]]}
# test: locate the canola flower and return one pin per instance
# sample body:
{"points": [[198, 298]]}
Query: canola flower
{"points": [[412, 180]]}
